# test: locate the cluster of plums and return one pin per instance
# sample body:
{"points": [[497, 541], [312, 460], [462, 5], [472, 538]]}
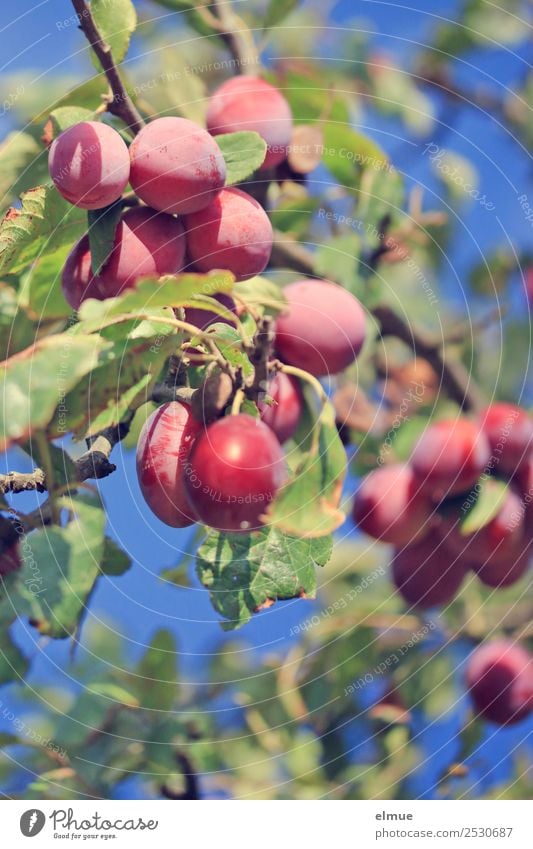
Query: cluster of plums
{"points": [[226, 474], [188, 219], [418, 506]]}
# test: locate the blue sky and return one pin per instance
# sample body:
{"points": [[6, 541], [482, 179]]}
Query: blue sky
{"points": [[33, 36]]}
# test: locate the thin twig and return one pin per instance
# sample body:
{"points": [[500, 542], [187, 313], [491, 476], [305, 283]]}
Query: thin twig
{"points": [[120, 104], [236, 36]]}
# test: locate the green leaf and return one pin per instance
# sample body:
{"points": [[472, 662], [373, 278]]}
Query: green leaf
{"points": [[381, 193], [102, 226], [407, 435], [68, 562], [17, 153], [347, 153], [457, 173], [309, 504], [44, 223], [41, 291], [16, 328], [245, 573], [491, 495], [115, 561], [35, 380], [86, 95], [115, 22], [8, 740], [262, 294], [313, 96], [277, 11], [493, 275], [63, 117], [243, 153], [193, 17], [114, 693], [151, 293], [158, 674], [229, 343], [142, 413], [178, 575], [63, 466], [338, 259], [396, 93], [122, 380], [13, 664], [295, 216]]}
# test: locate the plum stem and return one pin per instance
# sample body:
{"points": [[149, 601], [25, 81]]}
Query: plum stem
{"points": [[237, 402], [301, 374]]}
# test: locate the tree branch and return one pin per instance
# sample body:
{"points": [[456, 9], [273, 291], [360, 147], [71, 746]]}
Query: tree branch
{"points": [[94, 463], [121, 104], [236, 36], [191, 791], [259, 356], [22, 482], [453, 375]]}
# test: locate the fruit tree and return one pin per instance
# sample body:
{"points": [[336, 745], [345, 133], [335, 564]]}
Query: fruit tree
{"points": [[213, 260]]}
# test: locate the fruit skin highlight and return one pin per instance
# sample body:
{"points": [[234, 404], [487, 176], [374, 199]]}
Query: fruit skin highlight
{"points": [[234, 471], [89, 165], [499, 676], [162, 454], [147, 243], [176, 166], [250, 103], [323, 328], [233, 232]]}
